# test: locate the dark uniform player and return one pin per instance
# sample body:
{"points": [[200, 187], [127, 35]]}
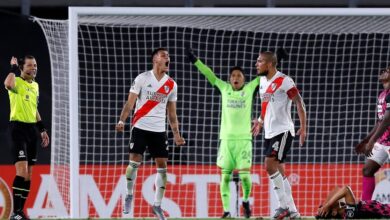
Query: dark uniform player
{"points": [[376, 144], [349, 207], [23, 94]]}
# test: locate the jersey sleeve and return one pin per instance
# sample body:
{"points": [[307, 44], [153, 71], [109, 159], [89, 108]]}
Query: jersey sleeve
{"points": [[206, 71], [254, 84], [15, 89], [387, 99], [137, 85], [173, 95], [288, 85], [210, 75]]}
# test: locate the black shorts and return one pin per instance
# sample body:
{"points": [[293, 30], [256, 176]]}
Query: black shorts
{"points": [[278, 146], [24, 137], [156, 142]]}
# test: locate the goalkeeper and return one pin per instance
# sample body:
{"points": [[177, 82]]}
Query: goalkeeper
{"points": [[235, 150]]}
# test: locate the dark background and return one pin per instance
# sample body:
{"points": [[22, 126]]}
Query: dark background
{"points": [[20, 36]]}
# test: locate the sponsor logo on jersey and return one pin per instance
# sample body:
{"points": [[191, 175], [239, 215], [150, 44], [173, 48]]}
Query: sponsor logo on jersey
{"points": [[266, 97], [232, 103], [156, 96]]}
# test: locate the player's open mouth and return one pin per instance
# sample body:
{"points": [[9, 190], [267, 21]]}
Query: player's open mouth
{"points": [[167, 64]]}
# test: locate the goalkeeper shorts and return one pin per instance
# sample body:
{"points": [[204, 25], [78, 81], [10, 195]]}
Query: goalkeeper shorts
{"points": [[235, 154]]}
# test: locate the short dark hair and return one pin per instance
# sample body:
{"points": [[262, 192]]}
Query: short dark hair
{"points": [[155, 51], [270, 57], [387, 69], [236, 68], [22, 61]]}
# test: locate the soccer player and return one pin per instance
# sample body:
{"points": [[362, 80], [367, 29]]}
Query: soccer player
{"points": [[376, 144], [277, 92], [23, 94], [341, 204], [235, 150], [155, 95]]}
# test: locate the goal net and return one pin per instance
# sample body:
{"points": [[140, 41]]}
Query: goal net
{"points": [[335, 61]]}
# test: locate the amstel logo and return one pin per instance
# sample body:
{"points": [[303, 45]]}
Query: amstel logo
{"points": [[5, 200]]}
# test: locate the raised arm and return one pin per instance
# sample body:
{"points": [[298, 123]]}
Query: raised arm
{"points": [[126, 110], [174, 123], [9, 81], [204, 69]]}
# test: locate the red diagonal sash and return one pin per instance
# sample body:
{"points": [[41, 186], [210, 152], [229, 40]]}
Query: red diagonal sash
{"points": [[150, 104], [270, 90]]}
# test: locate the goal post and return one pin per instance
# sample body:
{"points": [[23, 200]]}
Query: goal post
{"points": [[335, 55]]}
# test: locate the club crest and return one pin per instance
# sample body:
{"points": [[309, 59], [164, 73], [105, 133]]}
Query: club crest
{"points": [[166, 89]]}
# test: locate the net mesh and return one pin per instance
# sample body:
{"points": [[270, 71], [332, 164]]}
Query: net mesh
{"points": [[334, 60]]}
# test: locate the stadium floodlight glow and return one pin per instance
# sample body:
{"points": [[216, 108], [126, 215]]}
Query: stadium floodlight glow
{"points": [[335, 57]]}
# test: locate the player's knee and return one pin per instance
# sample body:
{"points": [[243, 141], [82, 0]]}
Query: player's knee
{"points": [[226, 175], [245, 176], [271, 165]]}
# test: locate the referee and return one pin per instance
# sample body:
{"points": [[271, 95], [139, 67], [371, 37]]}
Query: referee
{"points": [[23, 94]]}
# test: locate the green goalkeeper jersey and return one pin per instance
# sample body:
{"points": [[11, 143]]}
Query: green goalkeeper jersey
{"points": [[236, 105]]}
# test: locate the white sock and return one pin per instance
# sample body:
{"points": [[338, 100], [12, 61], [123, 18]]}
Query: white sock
{"points": [[160, 183], [277, 180], [131, 175], [289, 198]]}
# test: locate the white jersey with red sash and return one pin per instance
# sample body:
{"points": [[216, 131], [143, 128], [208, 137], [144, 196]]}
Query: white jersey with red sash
{"points": [[276, 95], [153, 96]]}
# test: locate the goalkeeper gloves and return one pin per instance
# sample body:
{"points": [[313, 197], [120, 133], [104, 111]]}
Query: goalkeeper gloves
{"points": [[191, 56]]}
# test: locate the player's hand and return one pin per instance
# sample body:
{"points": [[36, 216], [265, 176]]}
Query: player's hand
{"points": [[14, 61], [323, 211], [179, 140], [256, 127], [120, 126], [14, 65], [302, 136], [45, 139], [190, 55], [368, 148], [361, 147]]}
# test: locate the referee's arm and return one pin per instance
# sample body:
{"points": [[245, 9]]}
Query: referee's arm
{"points": [[45, 137], [9, 81]]}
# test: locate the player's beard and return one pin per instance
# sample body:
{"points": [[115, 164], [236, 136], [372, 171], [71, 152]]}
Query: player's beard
{"points": [[265, 73]]}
